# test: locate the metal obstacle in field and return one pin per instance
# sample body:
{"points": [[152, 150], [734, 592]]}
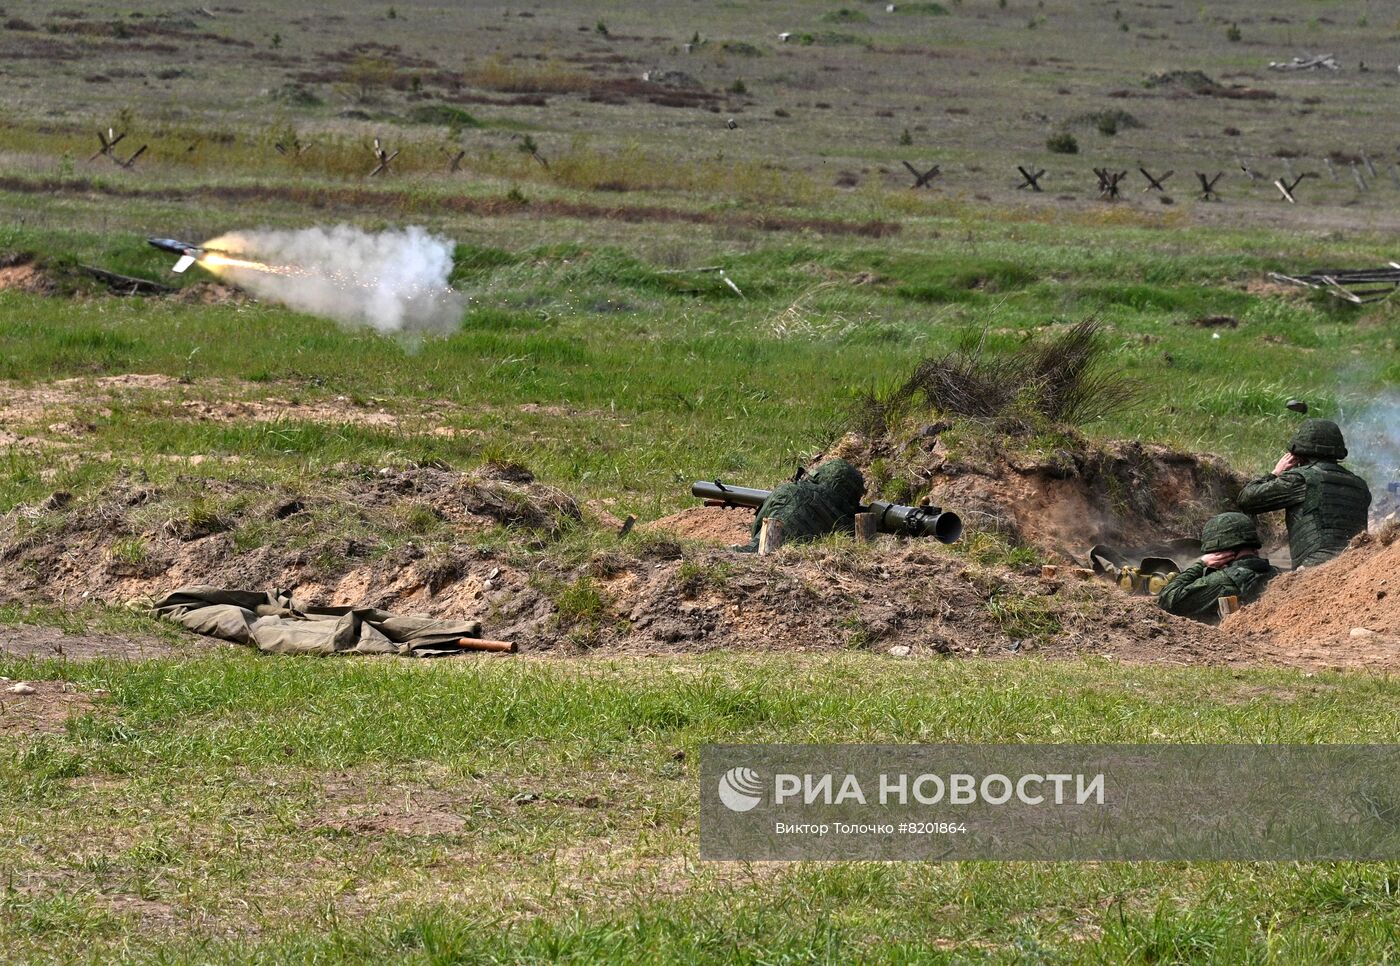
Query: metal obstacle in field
{"points": [[1357, 286], [383, 157], [922, 179], [1030, 179], [1155, 184], [1108, 183]]}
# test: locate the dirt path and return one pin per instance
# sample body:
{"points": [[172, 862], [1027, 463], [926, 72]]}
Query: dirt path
{"points": [[28, 641]]}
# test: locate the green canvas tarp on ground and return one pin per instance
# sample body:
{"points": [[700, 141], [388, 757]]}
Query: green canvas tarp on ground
{"points": [[276, 623]]}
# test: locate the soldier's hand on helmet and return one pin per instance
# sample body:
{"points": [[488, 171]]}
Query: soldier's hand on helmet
{"points": [[1218, 559], [1287, 462]]}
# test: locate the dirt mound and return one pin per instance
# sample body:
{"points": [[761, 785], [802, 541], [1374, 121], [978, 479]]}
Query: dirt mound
{"points": [[1187, 82], [136, 539], [1191, 80], [19, 273], [901, 598], [1345, 613], [1060, 500], [711, 524], [646, 595]]}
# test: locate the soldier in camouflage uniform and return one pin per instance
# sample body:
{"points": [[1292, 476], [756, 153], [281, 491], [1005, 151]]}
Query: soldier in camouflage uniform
{"points": [[1325, 505], [825, 501], [1230, 566]]}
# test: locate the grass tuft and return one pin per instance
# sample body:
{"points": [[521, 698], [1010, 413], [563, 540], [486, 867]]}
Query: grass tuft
{"points": [[1064, 380]]}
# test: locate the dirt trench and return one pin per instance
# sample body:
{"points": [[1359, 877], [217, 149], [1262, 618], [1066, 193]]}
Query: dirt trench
{"points": [[657, 593]]}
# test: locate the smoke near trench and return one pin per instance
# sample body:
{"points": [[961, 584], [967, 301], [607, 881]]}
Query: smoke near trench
{"points": [[1373, 438], [390, 281]]}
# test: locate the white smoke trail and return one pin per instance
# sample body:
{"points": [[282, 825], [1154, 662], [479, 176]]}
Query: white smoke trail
{"points": [[391, 281]]}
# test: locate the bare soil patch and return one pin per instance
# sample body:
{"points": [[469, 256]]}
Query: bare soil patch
{"points": [[43, 708], [357, 804], [20, 274], [711, 524], [26, 641], [64, 405]]}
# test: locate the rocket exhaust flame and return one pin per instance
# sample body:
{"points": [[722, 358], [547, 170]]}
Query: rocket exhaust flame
{"points": [[393, 281], [216, 263]]}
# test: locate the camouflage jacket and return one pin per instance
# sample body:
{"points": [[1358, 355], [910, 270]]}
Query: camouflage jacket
{"points": [[1194, 591], [1324, 505], [823, 502]]}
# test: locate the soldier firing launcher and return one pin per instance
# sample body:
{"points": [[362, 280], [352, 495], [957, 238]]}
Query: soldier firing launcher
{"points": [[911, 521]]}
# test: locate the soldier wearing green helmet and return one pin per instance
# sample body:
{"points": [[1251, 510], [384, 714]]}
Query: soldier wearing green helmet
{"points": [[1324, 504], [1230, 566]]}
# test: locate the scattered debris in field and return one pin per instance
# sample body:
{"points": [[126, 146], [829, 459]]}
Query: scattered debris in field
{"points": [[1315, 62], [1183, 83], [277, 623], [1356, 285]]}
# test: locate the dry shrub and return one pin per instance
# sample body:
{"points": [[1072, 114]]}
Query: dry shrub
{"points": [[634, 167], [548, 77], [1062, 381]]}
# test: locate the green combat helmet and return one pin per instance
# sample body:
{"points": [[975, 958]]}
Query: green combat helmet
{"points": [[1318, 439], [1230, 531]]}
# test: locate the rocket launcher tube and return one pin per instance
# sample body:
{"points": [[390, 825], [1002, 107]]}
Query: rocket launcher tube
{"points": [[944, 526]]}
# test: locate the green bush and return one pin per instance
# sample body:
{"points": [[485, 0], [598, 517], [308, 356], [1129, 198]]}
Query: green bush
{"points": [[444, 114], [1108, 123], [845, 15], [1062, 143]]}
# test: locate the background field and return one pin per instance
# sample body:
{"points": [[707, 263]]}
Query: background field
{"points": [[207, 804]]}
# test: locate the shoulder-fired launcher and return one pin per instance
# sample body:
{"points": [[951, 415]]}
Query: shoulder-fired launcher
{"points": [[911, 521]]}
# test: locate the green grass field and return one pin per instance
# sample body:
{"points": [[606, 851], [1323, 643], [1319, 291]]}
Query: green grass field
{"points": [[213, 805], [245, 809]]}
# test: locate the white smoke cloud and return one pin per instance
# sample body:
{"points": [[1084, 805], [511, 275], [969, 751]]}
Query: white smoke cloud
{"points": [[391, 281], [1373, 438]]}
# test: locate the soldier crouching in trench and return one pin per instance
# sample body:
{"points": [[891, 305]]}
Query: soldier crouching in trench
{"points": [[1230, 566], [1325, 504]]}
